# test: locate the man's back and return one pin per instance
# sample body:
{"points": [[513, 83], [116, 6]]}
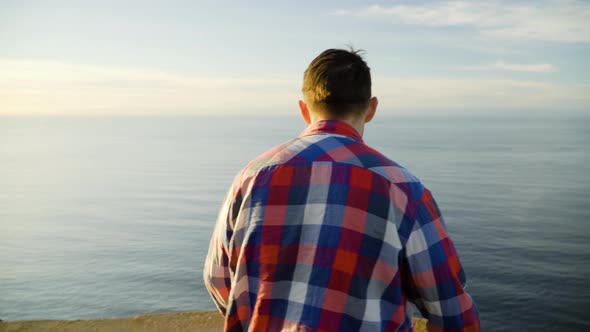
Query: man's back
{"points": [[325, 233]]}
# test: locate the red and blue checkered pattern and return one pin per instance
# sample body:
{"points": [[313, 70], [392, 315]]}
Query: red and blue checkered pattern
{"points": [[324, 233]]}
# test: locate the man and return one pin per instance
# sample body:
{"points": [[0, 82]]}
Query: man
{"points": [[323, 233]]}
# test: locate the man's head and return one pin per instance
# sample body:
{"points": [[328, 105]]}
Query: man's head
{"points": [[337, 85]]}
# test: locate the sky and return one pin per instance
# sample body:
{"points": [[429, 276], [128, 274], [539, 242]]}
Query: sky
{"points": [[248, 57]]}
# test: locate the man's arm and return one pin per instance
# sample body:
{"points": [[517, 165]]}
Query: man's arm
{"points": [[434, 277], [216, 272]]}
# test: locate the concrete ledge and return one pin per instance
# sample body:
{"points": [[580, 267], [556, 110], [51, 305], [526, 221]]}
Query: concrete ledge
{"points": [[203, 321]]}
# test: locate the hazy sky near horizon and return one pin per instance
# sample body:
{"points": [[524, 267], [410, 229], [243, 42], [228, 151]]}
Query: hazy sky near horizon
{"points": [[213, 57]]}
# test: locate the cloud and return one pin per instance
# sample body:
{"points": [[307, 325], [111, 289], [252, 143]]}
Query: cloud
{"points": [[49, 87], [532, 68], [473, 95], [518, 67], [39, 86], [553, 20]]}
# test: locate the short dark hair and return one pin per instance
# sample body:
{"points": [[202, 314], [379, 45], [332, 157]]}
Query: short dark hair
{"points": [[338, 81]]}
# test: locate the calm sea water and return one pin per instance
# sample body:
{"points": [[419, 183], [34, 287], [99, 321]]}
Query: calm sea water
{"points": [[111, 216]]}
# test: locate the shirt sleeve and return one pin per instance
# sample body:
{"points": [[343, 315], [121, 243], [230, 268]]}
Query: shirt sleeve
{"points": [[217, 269], [433, 277]]}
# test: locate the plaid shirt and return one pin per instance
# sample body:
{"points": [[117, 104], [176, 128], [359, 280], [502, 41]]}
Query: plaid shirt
{"points": [[324, 233]]}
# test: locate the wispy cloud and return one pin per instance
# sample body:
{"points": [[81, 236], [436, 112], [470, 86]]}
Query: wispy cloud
{"points": [[532, 68], [434, 94], [48, 87], [518, 67], [36, 86], [554, 20]]}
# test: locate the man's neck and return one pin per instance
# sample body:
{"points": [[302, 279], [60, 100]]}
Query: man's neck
{"points": [[355, 122]]}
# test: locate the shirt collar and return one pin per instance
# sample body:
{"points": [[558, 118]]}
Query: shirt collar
{"points": [[332, 127]]}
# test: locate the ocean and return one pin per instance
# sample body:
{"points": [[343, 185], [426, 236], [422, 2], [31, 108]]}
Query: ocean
{"points": [[108, 216]]}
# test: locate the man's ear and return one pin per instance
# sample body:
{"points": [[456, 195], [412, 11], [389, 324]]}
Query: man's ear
{"points": [[304, 112], [373, 102]]}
